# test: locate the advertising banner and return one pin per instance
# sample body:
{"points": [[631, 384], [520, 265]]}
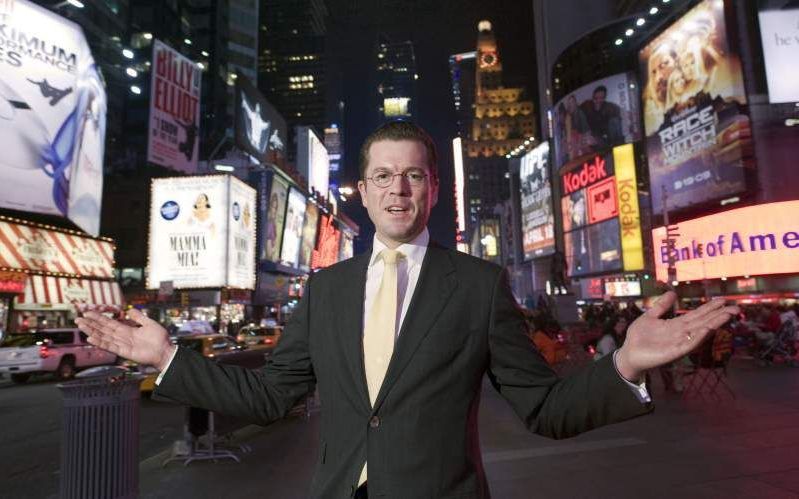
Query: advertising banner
{"points": [[327, 249], [591, 215], [309, 227], [174, 110], [275, 218], [201, 233], [629, 214], [52, 116], [27, 247], [260, 130], [755, 240], [698, 135], [595, 117], [292, 230], [779, 32], [313, 161], [538, 222], [241, 235], [622, 287]]}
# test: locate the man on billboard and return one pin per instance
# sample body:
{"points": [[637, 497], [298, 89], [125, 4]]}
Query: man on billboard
{"points": [[399, 339], [604, 119]]}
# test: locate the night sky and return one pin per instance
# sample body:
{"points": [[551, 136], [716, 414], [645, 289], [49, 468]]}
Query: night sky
{"points": [[437, 30]]}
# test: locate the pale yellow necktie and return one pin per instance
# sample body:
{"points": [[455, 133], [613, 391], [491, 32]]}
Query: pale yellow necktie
{"points": [[380, 330]]}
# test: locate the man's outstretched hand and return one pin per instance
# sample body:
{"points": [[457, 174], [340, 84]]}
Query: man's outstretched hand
{"points": [[652, 341], [147, 344]]}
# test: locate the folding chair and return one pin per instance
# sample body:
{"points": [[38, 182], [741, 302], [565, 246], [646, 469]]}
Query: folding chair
{"points": [[709, 377]]}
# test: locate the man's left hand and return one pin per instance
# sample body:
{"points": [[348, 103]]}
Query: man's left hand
{"points": [[652, 341]]}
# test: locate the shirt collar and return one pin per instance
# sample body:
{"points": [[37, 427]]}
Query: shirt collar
{"points": [[414, 251]]}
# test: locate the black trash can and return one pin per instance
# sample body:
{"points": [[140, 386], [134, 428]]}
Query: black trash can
{"points": [[100, 436]]}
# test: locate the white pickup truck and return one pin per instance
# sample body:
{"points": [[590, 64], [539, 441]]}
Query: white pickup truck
{"points": [[59, 351]]}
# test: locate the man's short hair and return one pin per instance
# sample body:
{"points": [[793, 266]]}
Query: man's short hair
{"points": [[602, 89], [400, 130]]}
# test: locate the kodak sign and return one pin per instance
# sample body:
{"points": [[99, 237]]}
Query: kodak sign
{"points": [[629, 214]]}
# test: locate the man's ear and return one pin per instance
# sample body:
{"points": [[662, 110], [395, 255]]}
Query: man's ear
{"points": [[362, 190], [434, 194]]}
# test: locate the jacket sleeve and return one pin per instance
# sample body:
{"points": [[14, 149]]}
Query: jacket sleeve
{"points": [[260, 396], [553, 407]]}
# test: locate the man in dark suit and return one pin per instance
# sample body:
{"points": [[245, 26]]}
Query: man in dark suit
{"points": [[398, 340]]}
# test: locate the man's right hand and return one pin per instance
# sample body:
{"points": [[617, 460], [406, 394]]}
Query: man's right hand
{"points": [[147, 344]]}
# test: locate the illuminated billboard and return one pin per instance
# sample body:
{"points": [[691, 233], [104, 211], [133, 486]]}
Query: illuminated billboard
{"points": [[260, 130], [174, 128], [460, 194], [593, 249], [755, 240], [327, 249], [202, 233], [52, 116], [275, 218], [698, 135], [309, 227], [292, 229], [538, 221], [628, 208], [595, 117], [313, 162], [779, 32]]}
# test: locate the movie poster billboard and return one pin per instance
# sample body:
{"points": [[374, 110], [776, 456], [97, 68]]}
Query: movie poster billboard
{"points": [[308, 235], [292, 230], [260, 130], [241, 235], [52, 116], [538, 222], [313, 161], [188, 232], [698, 135], [779, 32], [174, 110], [596, 117], [275, 218]]}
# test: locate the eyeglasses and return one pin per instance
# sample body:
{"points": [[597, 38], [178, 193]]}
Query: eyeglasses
{"points": [[384, 179]]}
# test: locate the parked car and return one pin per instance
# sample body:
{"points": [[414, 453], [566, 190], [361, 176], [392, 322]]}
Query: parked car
{"points": [[259, 336], [59, 351]]}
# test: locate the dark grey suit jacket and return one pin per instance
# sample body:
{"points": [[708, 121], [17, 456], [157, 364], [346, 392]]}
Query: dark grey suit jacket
{"points": [[421, 437]]}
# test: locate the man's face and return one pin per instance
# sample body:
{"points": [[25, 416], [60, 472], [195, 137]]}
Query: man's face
{"points": [[599, 99], [661, 66], [400, 211]]}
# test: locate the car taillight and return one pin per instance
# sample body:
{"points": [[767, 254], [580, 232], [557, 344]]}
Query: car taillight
{"points": [[268, 341], [44, 352]]}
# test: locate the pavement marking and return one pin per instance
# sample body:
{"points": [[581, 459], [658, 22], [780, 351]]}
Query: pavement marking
{"points": [[514, 455]]}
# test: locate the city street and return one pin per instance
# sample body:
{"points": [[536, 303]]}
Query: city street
{"points": [[748, 447]]}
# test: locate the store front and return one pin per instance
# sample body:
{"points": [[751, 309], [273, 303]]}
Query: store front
{"points": [[49, 302]]}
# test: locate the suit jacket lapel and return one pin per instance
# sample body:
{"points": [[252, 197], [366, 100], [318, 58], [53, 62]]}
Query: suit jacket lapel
{"points": [[433, 289], [350, 312]]}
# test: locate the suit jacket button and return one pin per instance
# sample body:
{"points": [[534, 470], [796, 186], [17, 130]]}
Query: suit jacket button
{"points": [[374, 422]]}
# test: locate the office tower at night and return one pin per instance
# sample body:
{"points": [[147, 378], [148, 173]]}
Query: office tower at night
{"points": [[396, 79], [462, 72], [503, 120], [291, 61]]}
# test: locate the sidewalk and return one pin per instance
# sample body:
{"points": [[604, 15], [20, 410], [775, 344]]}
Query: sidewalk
{"points": [[746, 448]]}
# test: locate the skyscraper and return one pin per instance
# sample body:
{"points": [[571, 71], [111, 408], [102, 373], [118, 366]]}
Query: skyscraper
{"points": [[503, 119], [291, 61], [396, 79], [462, 72]]}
